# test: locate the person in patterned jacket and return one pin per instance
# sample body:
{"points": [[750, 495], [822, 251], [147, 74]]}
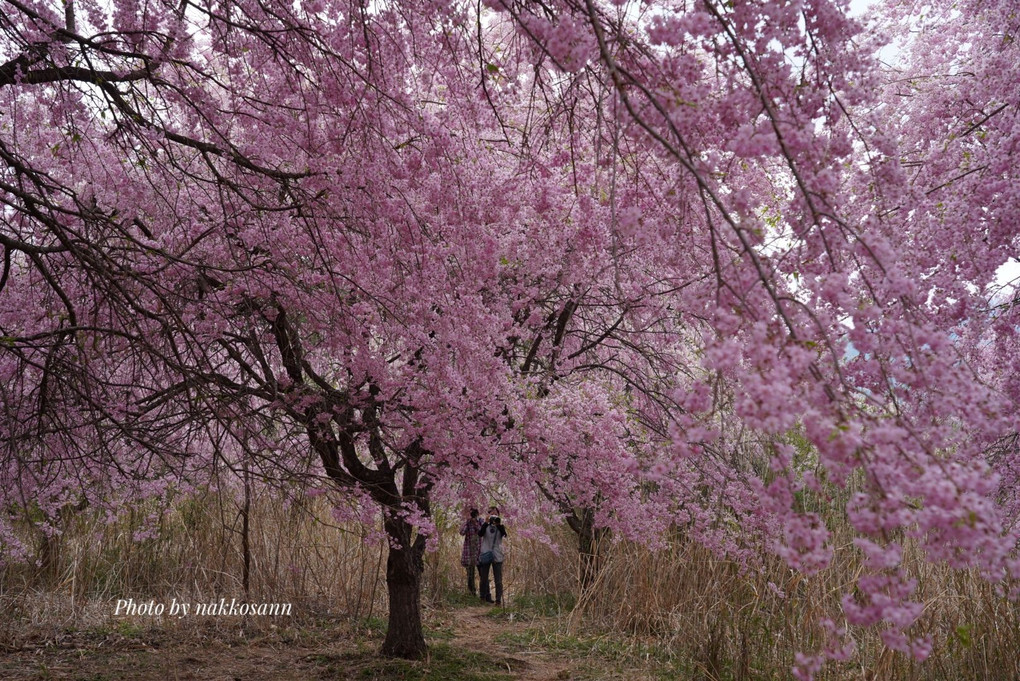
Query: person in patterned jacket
{"points": [[472, 544]]}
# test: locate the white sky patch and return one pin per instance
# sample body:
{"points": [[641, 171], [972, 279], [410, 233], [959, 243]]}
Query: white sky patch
{"points": [[1007, 281], [859, 8]]}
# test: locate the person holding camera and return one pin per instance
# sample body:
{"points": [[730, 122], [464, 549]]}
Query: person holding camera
{"points": [[492, 533]]}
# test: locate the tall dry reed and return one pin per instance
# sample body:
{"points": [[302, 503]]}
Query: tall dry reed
{"points": [[707, 615]]}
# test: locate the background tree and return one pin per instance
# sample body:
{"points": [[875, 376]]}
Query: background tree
{"points": [[421, 244], [773, 112]]}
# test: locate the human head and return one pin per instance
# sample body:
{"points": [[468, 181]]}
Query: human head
{"points": [[493, 510], [474, 512]]}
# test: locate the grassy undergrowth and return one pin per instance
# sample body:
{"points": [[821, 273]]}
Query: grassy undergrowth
{"points": [[680, 611], [443, 663]]}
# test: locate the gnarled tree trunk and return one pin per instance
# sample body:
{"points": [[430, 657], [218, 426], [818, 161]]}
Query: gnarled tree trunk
{"points": [[350, 442], [404, 567]]}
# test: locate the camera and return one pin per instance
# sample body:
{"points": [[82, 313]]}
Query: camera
{"points": [[494, 520]]}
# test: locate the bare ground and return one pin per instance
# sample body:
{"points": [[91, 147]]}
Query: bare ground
{"points": [[475, 630], [468, 642]]}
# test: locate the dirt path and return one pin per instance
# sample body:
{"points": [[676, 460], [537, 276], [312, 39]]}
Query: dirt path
{"points": [[475, 629], [468, 642], [196, 654]]}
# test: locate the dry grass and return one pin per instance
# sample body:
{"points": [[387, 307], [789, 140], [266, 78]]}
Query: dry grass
{"points": [[703, 616], [298, 555], [715, 620]]}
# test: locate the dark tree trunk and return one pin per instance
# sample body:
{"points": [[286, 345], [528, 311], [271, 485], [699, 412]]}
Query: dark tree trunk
{"points": [[350, 443], [589, 540], [49, 556], [246, 534], [404, 567]]}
